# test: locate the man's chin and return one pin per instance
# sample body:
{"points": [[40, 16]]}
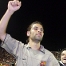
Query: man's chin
{"points": [[37, 40], [64, 61]]}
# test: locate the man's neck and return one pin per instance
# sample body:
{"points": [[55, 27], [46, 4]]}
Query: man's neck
{"points": [[34, 46]]}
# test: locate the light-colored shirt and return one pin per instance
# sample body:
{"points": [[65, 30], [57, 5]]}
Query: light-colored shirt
{"points": [[25, 56]]}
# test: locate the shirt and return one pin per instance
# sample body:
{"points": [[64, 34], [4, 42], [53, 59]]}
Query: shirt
{"points": [[61, 63], [25, 56]]}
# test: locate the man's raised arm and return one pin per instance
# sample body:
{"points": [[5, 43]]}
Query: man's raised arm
{"points": [[12, 7]]}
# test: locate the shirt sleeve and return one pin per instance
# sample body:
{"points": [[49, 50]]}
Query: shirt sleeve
{"points": [[11, 45]]}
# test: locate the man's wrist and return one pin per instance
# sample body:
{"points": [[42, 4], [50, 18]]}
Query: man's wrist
{"points": [[10, 12]]}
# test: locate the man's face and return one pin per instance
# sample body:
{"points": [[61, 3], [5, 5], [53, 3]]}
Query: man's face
{"points": [[63, 56], [36, 32]]}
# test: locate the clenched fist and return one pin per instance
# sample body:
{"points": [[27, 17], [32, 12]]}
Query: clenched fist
{"points": [[14, 5]]}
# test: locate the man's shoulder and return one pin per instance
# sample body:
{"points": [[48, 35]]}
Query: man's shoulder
{"points": [[45, 50], [48, 51]]}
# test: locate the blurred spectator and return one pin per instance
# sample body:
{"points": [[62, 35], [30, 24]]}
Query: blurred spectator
{"points": [[62, 61]]}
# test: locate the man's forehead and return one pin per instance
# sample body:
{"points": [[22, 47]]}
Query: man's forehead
{"points": [[37, 25], [64, 51]]}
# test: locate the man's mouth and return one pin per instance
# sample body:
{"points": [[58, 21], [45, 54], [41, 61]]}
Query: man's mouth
{"points": [[64, 59], [39, 34]]}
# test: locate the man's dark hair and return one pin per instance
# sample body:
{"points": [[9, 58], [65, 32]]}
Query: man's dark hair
{"points": [[35, 22]]}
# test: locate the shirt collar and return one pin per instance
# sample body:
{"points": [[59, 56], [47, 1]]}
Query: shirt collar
{"points": [[42, 49], [61, 62]]}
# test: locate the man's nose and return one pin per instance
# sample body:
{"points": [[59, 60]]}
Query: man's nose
{"points": [[65, 55], [39, 30]]}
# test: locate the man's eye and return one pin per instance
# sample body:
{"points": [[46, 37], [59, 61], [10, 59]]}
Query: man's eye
{"points": [[41, 29], [62, 54], [35, 28]]}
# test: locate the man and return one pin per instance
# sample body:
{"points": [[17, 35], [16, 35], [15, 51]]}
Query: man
{"points": [[63, 58], [31, 54]]}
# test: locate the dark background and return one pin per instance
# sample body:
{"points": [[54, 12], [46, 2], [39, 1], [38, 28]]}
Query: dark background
{"points": [[52, 14]]}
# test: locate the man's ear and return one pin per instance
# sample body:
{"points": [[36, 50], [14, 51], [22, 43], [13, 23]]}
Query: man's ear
{"points": [[28, 33]]}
